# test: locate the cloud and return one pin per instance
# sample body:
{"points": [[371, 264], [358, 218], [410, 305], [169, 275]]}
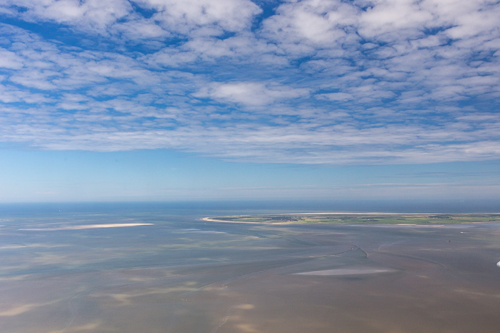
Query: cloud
{"points": [[335, 96], [250, 93], [312, 22], [320, 81], [141, 29], [9, 60], [89, 14], [188, 15], [240, 48], [118, 16]]}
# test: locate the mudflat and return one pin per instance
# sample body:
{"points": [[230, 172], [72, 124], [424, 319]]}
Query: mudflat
{"points": [[181, 274]]}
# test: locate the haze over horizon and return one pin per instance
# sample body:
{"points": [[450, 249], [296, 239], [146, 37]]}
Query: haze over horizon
{"points": [[153, 100]]}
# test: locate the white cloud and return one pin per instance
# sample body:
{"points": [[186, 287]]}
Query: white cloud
{"points": [[250, 93], [89, 14], [389, 16], [10, 60], [35, 79], [141, 29], [117, 16], [11, 95], [241, 48], [389, 79], [310, 21], [335, 96], [187, 15], [293, 143]]}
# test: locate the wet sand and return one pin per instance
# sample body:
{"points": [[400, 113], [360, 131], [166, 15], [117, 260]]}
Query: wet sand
{"points": [[90, 226], [186, 275], [348, 271]]}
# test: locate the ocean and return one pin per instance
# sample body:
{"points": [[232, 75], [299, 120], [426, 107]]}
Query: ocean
{"points": [[157, 267]]}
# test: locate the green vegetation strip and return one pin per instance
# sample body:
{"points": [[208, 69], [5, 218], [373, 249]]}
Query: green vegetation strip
{"points": [[420, 219]]}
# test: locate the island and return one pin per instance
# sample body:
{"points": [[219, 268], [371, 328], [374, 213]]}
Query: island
{"points": [[358, 218]]}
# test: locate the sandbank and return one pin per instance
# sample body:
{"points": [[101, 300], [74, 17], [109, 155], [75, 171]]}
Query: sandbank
{"points": [[347, 271], [91, 226]]}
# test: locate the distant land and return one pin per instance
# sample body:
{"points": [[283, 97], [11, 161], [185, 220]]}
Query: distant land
{"points": [[358, 218]]}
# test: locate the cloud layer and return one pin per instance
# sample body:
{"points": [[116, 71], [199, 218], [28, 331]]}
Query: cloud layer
{"points": [[310, 81]]}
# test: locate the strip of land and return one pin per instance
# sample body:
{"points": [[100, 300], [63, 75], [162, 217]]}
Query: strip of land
{"points": [[91, 226], [358, 218]]}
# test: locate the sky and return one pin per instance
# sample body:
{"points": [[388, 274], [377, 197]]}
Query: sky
{"points": [[124, 100]]}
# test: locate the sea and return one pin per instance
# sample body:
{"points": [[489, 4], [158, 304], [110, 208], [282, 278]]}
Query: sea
{"points": [[159, 267]]}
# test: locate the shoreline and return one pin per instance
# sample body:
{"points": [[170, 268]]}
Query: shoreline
{"points": [[452, 218]]}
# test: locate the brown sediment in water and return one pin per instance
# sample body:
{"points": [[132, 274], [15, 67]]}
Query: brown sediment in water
{"points": [[252, 278]]}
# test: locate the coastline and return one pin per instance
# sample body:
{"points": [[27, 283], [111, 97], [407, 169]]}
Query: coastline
{"points": [[342, 218]]}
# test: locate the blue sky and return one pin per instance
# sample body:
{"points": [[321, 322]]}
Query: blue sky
{"points": [[239, 99]]}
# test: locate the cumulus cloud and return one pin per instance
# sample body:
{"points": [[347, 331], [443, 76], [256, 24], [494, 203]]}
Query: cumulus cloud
{"points": [[9, 60], [188, 15], [249, 93], [89, 14], [335, 96], [314, 81], [118, 16], [312, 22]]}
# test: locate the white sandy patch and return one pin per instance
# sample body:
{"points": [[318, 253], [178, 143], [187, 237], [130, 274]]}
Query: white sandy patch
{"points": [[246, 222], [92, 226], [348, 271], [214, 220]]}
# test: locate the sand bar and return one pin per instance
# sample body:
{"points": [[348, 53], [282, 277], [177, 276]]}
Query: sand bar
{"points": [[91, 226], [347, 271]]}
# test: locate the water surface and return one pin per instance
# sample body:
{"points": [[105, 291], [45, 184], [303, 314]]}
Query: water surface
{"points": [[165, 270]]}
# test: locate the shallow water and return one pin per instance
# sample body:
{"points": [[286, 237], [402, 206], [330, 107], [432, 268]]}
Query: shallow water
{"points": [[185, 275]]}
